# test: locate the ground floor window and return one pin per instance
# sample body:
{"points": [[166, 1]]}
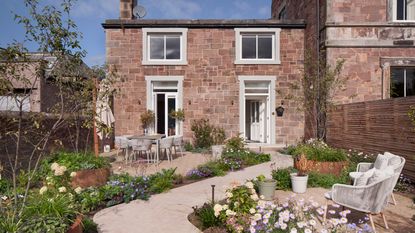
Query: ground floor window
{"points": [[164, 95], [402, 81]]}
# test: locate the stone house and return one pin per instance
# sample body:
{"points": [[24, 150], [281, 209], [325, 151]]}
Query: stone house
{"points": [[229, 71], [33, 84], [374, 37]]}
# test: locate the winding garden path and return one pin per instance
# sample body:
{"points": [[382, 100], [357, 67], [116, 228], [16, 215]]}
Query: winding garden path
{"points": [[167, 212]]}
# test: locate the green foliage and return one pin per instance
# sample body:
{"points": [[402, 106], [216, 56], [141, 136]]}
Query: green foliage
{"points": [[282, 176], [89, 226], [75, 161], [188, 146], [411, 115], [91, 199], [162, 181], [178, 115], [9, 223], [207, 216], [205, 135], [316, 179], [317, 150], [5, 185], [147, 118], [42, 223], [235, 143], [217, 168], [241, 201]]}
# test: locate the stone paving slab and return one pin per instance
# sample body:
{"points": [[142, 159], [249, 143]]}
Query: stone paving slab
{"points": [[167, 212]]}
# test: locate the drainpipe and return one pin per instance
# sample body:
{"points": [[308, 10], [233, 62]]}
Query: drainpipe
{"points": [[318, 65]]}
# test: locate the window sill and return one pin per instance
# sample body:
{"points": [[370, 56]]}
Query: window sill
{"points": [[164, 63], [257, 62]]}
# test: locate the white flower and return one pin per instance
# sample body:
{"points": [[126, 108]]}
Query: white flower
{"points": [[54, 166], [48, 178], [307, 230], [217, 208], [249, 185], [332, 211], [253, 223], [343, 220], [283, 226], [265, 221], [236, 204], [335, 221], [73, 174], [4, 198], [252, 211], [300, 224], [252, 230], [229, 213], [252, 191], [323, 231], [254, 197], [262, 197], [225, 207], [312, 222], [229, 194], [62, 189], [257, 217], [78, 190], [43, 190], [293, 230]]}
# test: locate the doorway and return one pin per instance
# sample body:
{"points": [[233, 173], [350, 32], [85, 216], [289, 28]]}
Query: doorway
{"points": [[255, 118], [165, 103]]}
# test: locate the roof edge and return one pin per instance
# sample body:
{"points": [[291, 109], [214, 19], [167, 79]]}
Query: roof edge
{"points": [[202, 23]]}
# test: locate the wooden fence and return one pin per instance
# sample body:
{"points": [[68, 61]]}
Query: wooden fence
{"points": [[375, 127]]}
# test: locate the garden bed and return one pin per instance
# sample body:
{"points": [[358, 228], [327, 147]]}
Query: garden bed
{"points": [[333, 168]]}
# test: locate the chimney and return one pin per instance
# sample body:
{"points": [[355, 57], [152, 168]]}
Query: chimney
{"points": [[126, 9]]}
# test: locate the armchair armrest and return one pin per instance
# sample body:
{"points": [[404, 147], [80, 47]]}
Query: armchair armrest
{"points": [[363, 167]]}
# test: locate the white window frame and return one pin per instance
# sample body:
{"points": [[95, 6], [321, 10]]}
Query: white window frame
{"points": [[275, 32], [179, 103], [394, 13], [146, 43]]}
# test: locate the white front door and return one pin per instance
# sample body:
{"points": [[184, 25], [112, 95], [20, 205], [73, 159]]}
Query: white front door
{"points": [[164, 104], [256, 124]]}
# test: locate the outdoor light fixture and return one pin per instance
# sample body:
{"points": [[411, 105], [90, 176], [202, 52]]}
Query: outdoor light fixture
{"points": [[280, 110], [190, 102]]}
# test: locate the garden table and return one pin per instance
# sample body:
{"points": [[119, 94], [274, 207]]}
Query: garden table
{"points": [[154, 137]]}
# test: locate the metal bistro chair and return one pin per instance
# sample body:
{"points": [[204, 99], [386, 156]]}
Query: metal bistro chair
{"points": [[122, 145], [166, 144], [141, 146], [178, 142]]}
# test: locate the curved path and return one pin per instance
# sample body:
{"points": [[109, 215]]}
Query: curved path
{"points": [[167, 212]]}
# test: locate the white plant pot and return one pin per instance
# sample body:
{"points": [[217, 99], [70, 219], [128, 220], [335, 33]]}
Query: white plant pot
{"points": [[217, 151], [299, 183]]}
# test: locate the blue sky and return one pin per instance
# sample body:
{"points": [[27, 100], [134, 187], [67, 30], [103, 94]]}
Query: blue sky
{"points": [[89, 14]]}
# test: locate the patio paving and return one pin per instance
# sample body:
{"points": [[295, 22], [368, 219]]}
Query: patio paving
{"points": [[167, 212], [183, 164]]}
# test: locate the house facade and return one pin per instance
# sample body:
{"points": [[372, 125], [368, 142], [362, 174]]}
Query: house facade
{"points": [[228, 71], [374, 37]]}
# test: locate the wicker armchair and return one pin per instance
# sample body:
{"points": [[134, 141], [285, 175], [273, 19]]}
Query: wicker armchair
{"points": [[370, 199]]}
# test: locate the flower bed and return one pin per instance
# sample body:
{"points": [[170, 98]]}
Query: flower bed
{"points": [[244, 211]]}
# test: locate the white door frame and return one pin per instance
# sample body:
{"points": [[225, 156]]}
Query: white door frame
{"points": [[179, 96], [270, 138]]}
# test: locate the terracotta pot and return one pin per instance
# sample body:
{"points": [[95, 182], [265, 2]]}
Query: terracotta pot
{"points": [[334, 168], [76, 226], [90, 177]]}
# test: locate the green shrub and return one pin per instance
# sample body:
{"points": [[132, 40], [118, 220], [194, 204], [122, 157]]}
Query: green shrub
{"points": [[38, 224], [207, 216], [89, 226], [235, 143], [316, 179], [91, 199], [4, 185], [318, 151], [282, 176], [217, 168], [74, 161], [162, 181], [205, 134]]}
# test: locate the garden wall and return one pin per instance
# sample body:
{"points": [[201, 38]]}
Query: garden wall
{"points": [[375, 126], [63, 139]]}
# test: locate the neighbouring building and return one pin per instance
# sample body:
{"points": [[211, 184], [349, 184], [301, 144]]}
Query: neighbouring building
{"points": [[375, 37], [229, 71]]}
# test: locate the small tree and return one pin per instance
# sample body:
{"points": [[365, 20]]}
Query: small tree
{"points": [[319, 83]]}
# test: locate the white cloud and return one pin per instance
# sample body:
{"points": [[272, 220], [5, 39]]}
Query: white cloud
{"points": [[95, 60], [177, 8], [96, 8]]}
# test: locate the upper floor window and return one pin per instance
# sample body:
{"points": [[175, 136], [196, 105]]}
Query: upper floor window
{"points": [[404, 10], [164, 46], [402, 81], [257, 46]]}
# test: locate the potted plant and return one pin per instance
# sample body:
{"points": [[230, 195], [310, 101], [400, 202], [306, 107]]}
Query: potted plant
{"points": [[266, 187], [178, 116], [218, 138], [147, 119], [299, 179]]}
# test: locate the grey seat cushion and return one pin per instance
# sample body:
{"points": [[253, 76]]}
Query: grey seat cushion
{"points": [[382, 161], [364, 177], [380, 174]]}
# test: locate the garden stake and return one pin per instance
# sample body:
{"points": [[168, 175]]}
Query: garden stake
{"points": [[213, 193]]}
